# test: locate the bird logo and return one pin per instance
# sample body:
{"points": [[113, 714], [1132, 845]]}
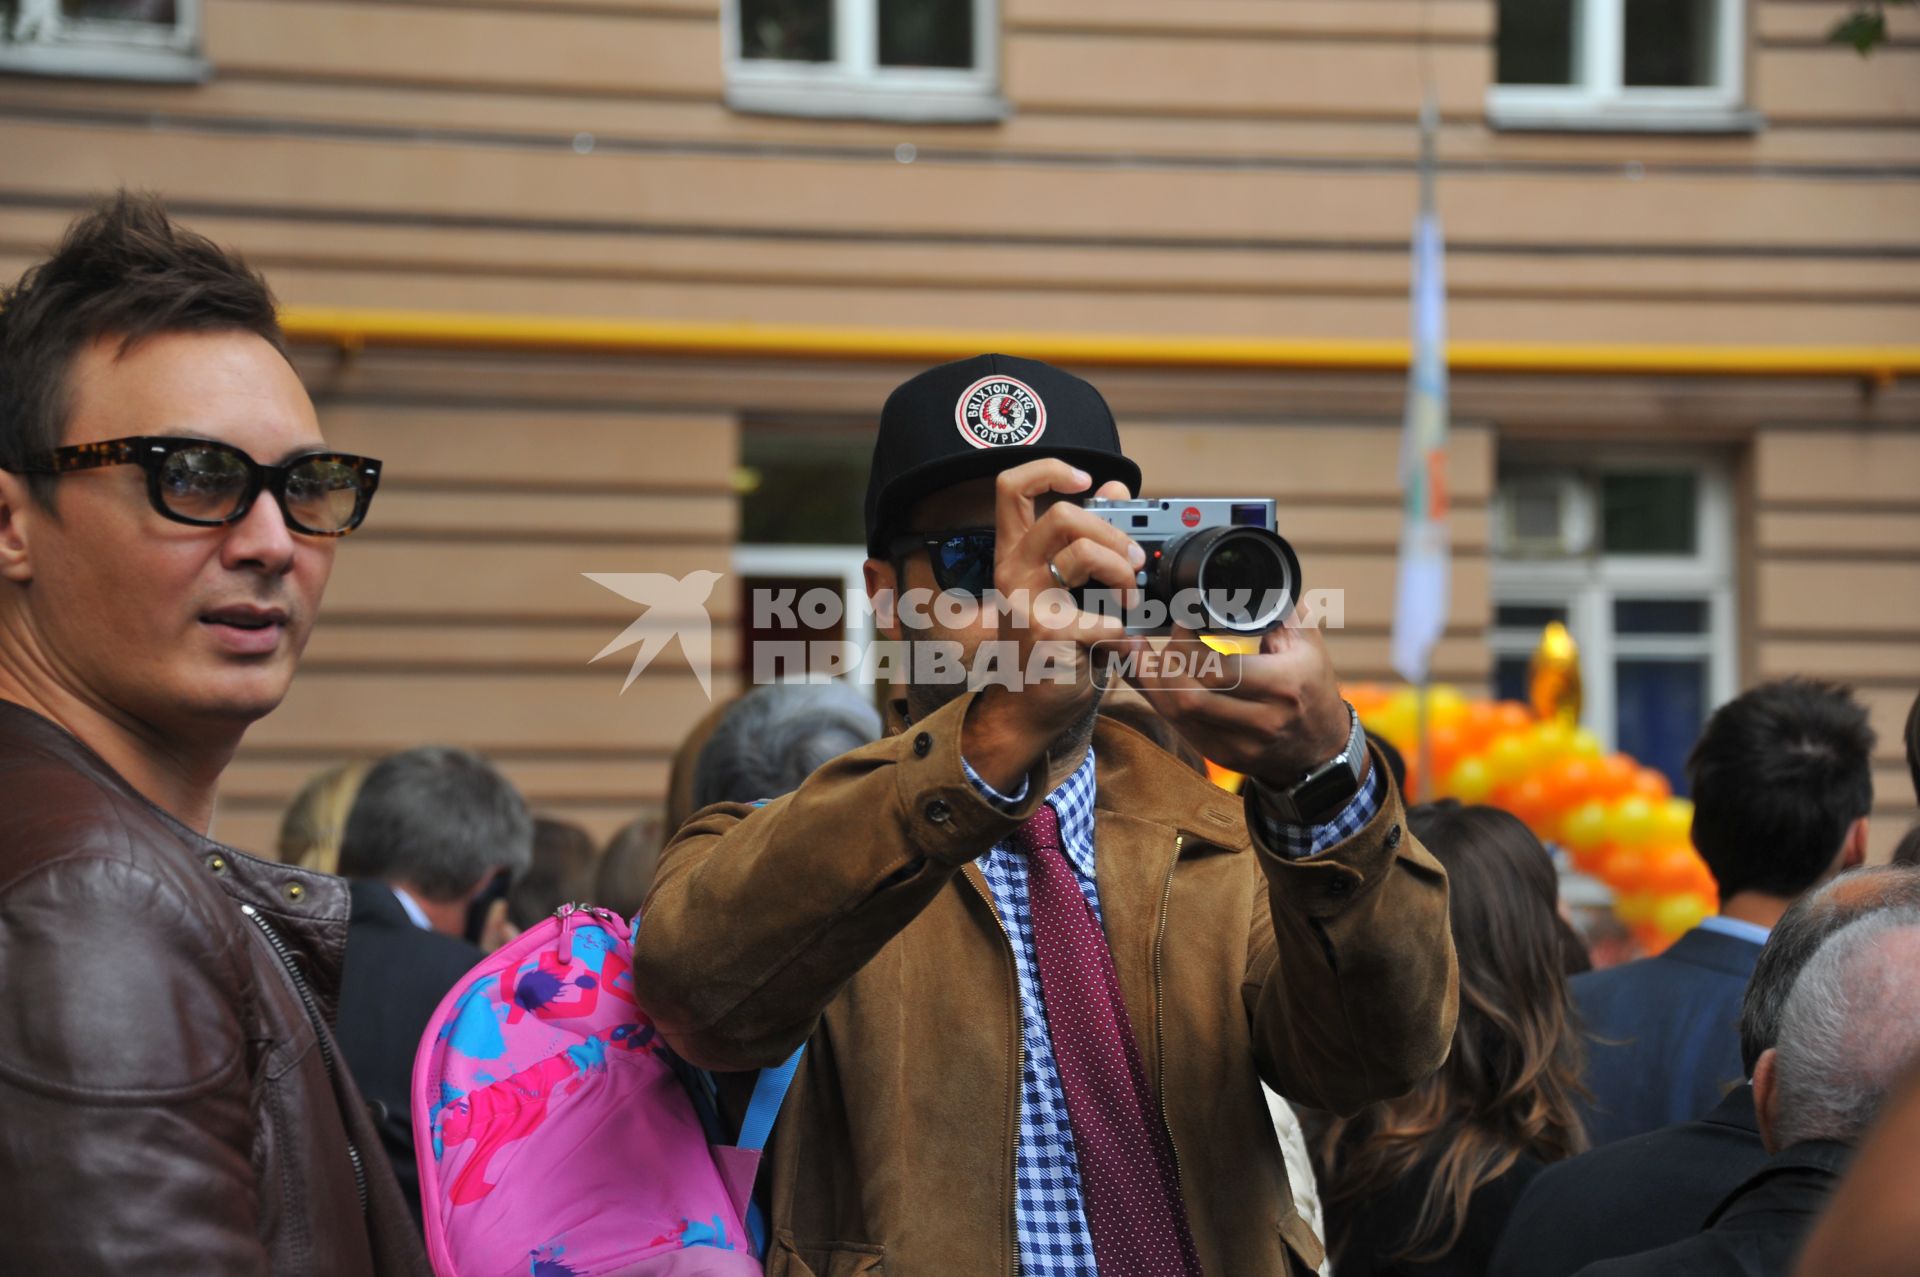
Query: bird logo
{"points": [[675, 607]]}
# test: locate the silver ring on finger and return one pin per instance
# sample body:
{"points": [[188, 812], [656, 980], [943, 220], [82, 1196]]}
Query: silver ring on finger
{"points": [[1058, 580]]}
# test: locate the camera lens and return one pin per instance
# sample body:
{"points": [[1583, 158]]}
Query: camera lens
{"points": [[1232, 580]]}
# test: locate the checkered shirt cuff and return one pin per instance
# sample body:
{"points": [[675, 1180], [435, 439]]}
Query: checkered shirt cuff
{"points": [[1008, 803], [1297, 842]]}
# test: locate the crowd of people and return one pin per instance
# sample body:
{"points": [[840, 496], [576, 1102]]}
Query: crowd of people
{"points": [[1070, 1007]]}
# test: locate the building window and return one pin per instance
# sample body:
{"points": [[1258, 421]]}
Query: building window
{"points": [[1635, 559], [1653, 64], [874, 59], [105, 39]]}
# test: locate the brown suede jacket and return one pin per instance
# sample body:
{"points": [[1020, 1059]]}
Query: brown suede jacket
{"points": [[171, 1101], [849, 915]]}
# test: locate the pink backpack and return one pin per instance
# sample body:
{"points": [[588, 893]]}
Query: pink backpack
{"points": [[557, 1136]]}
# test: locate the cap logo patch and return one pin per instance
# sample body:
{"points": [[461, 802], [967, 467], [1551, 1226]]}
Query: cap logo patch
{"points": [[999, 412]]}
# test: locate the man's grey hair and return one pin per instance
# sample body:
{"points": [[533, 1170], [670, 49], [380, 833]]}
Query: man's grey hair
{"points": [[1803, 929], [776, 736], [439, 820], [1850, 1029]]}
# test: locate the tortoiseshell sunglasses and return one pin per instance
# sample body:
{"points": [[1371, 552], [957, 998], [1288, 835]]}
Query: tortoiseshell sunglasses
{"points": [[206, 483]]}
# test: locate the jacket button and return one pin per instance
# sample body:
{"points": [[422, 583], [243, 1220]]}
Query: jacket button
{"points": [[1393, 837], [921, 744], [938, 812], [1340, 886], [296, 891], [216, 862]]}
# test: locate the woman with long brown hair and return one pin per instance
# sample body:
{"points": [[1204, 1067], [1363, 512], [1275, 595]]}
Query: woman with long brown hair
{"points": [[1423, 1184]]}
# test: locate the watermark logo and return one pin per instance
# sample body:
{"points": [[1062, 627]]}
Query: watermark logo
{"points": [[676, 607]]}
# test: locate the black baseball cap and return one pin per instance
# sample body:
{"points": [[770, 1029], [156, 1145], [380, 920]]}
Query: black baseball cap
{"points": [[980, 416]]}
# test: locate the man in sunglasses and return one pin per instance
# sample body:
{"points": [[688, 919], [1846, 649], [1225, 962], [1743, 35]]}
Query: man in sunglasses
{"points": [[1041, 966], [172, 1097]]}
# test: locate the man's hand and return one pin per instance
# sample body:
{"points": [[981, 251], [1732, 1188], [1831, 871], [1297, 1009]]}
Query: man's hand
{"points": [[1007, 732], [1274, 714]]}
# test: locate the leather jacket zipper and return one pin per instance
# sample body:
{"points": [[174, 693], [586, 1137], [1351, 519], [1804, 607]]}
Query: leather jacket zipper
{"points": [[1159, 1034], [322, 1035]]}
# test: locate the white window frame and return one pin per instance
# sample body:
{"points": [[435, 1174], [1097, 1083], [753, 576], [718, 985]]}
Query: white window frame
{"points": [[844, 561], [853, 85], [1587, 584], [1599, 97], [43, 41]]}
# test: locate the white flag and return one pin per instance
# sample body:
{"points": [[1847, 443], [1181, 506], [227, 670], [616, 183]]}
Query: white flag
{"points": [[1420, 602]]}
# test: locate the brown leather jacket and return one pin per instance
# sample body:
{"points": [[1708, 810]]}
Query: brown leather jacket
{"points": [[849, 915], [170, 1100]]}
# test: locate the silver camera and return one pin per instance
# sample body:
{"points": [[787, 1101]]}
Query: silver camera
{"points": [[1214, 565]]}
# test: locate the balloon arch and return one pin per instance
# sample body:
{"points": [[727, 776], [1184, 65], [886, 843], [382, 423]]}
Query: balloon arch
{"points": [[1618, 820]]}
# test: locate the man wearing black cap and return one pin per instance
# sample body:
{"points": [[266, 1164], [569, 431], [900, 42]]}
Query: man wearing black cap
{"points": [[1041, 967]]}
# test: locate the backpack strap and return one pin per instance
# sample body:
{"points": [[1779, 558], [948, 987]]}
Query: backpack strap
{"points": [[769, 1092]]}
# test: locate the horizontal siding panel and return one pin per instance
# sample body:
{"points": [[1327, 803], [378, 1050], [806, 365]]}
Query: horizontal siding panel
{"points": [[1839, 532], [1367, 582], [506, 579], [554, 120], [1843, 598], [1884, 832], [633, 778], [647, 452], [501, 49], [667, 257], [1321, 463], [589, 516], [1843, 468], [1379, 20], [70, 161], [1893, 788], [559, 646], [1887, 711], [375, 713], [251, 826], [1846, 658], [1830, 82], [1177, 75], [1368, 658]]}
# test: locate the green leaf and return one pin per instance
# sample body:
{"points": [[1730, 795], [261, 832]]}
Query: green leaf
{"points": [[1863, 30]]}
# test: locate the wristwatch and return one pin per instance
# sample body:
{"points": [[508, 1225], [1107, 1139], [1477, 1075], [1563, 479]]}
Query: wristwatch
{"points": [[1319, 796]]}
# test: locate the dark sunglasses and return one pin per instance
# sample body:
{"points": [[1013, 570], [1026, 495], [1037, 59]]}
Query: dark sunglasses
{"points": [[962, 558], [206, 483]]}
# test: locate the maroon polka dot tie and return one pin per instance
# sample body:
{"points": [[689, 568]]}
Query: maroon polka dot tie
{"points": [[1130, 1186]]}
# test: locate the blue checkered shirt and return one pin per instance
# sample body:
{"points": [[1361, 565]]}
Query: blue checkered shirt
{"points": [[1049, 1217]]}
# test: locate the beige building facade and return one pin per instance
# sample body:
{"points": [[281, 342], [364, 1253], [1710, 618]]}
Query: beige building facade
{"points": [[618, 286]]}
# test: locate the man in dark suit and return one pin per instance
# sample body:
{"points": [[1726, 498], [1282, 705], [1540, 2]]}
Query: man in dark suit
{"points": [[431, 832], [1848, 1033], [1654, 1189], [1781, 789]]}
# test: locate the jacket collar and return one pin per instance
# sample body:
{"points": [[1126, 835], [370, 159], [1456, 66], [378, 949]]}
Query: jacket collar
{"points": [[1160, 788], [308, 910], [1802, 1176], [1716, 951]]}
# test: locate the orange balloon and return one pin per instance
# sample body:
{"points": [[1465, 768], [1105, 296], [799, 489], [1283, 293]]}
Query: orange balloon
{"points": [[1587, 859], [1704, 883], [1478, 725], [1672, 869], [1531, 800], [1616, 775], [1651, 939], [1446, 746], [1511, 716], [1620, 868], [1651, 785]]}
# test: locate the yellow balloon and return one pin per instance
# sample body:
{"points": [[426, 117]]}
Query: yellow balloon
{"points": [[1469, 781], [1509, 758], [1635, 908], [1551, 740], [1632, 821], [1674, 820], [1585, 744], [1676, 914], [1585, 827]]}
